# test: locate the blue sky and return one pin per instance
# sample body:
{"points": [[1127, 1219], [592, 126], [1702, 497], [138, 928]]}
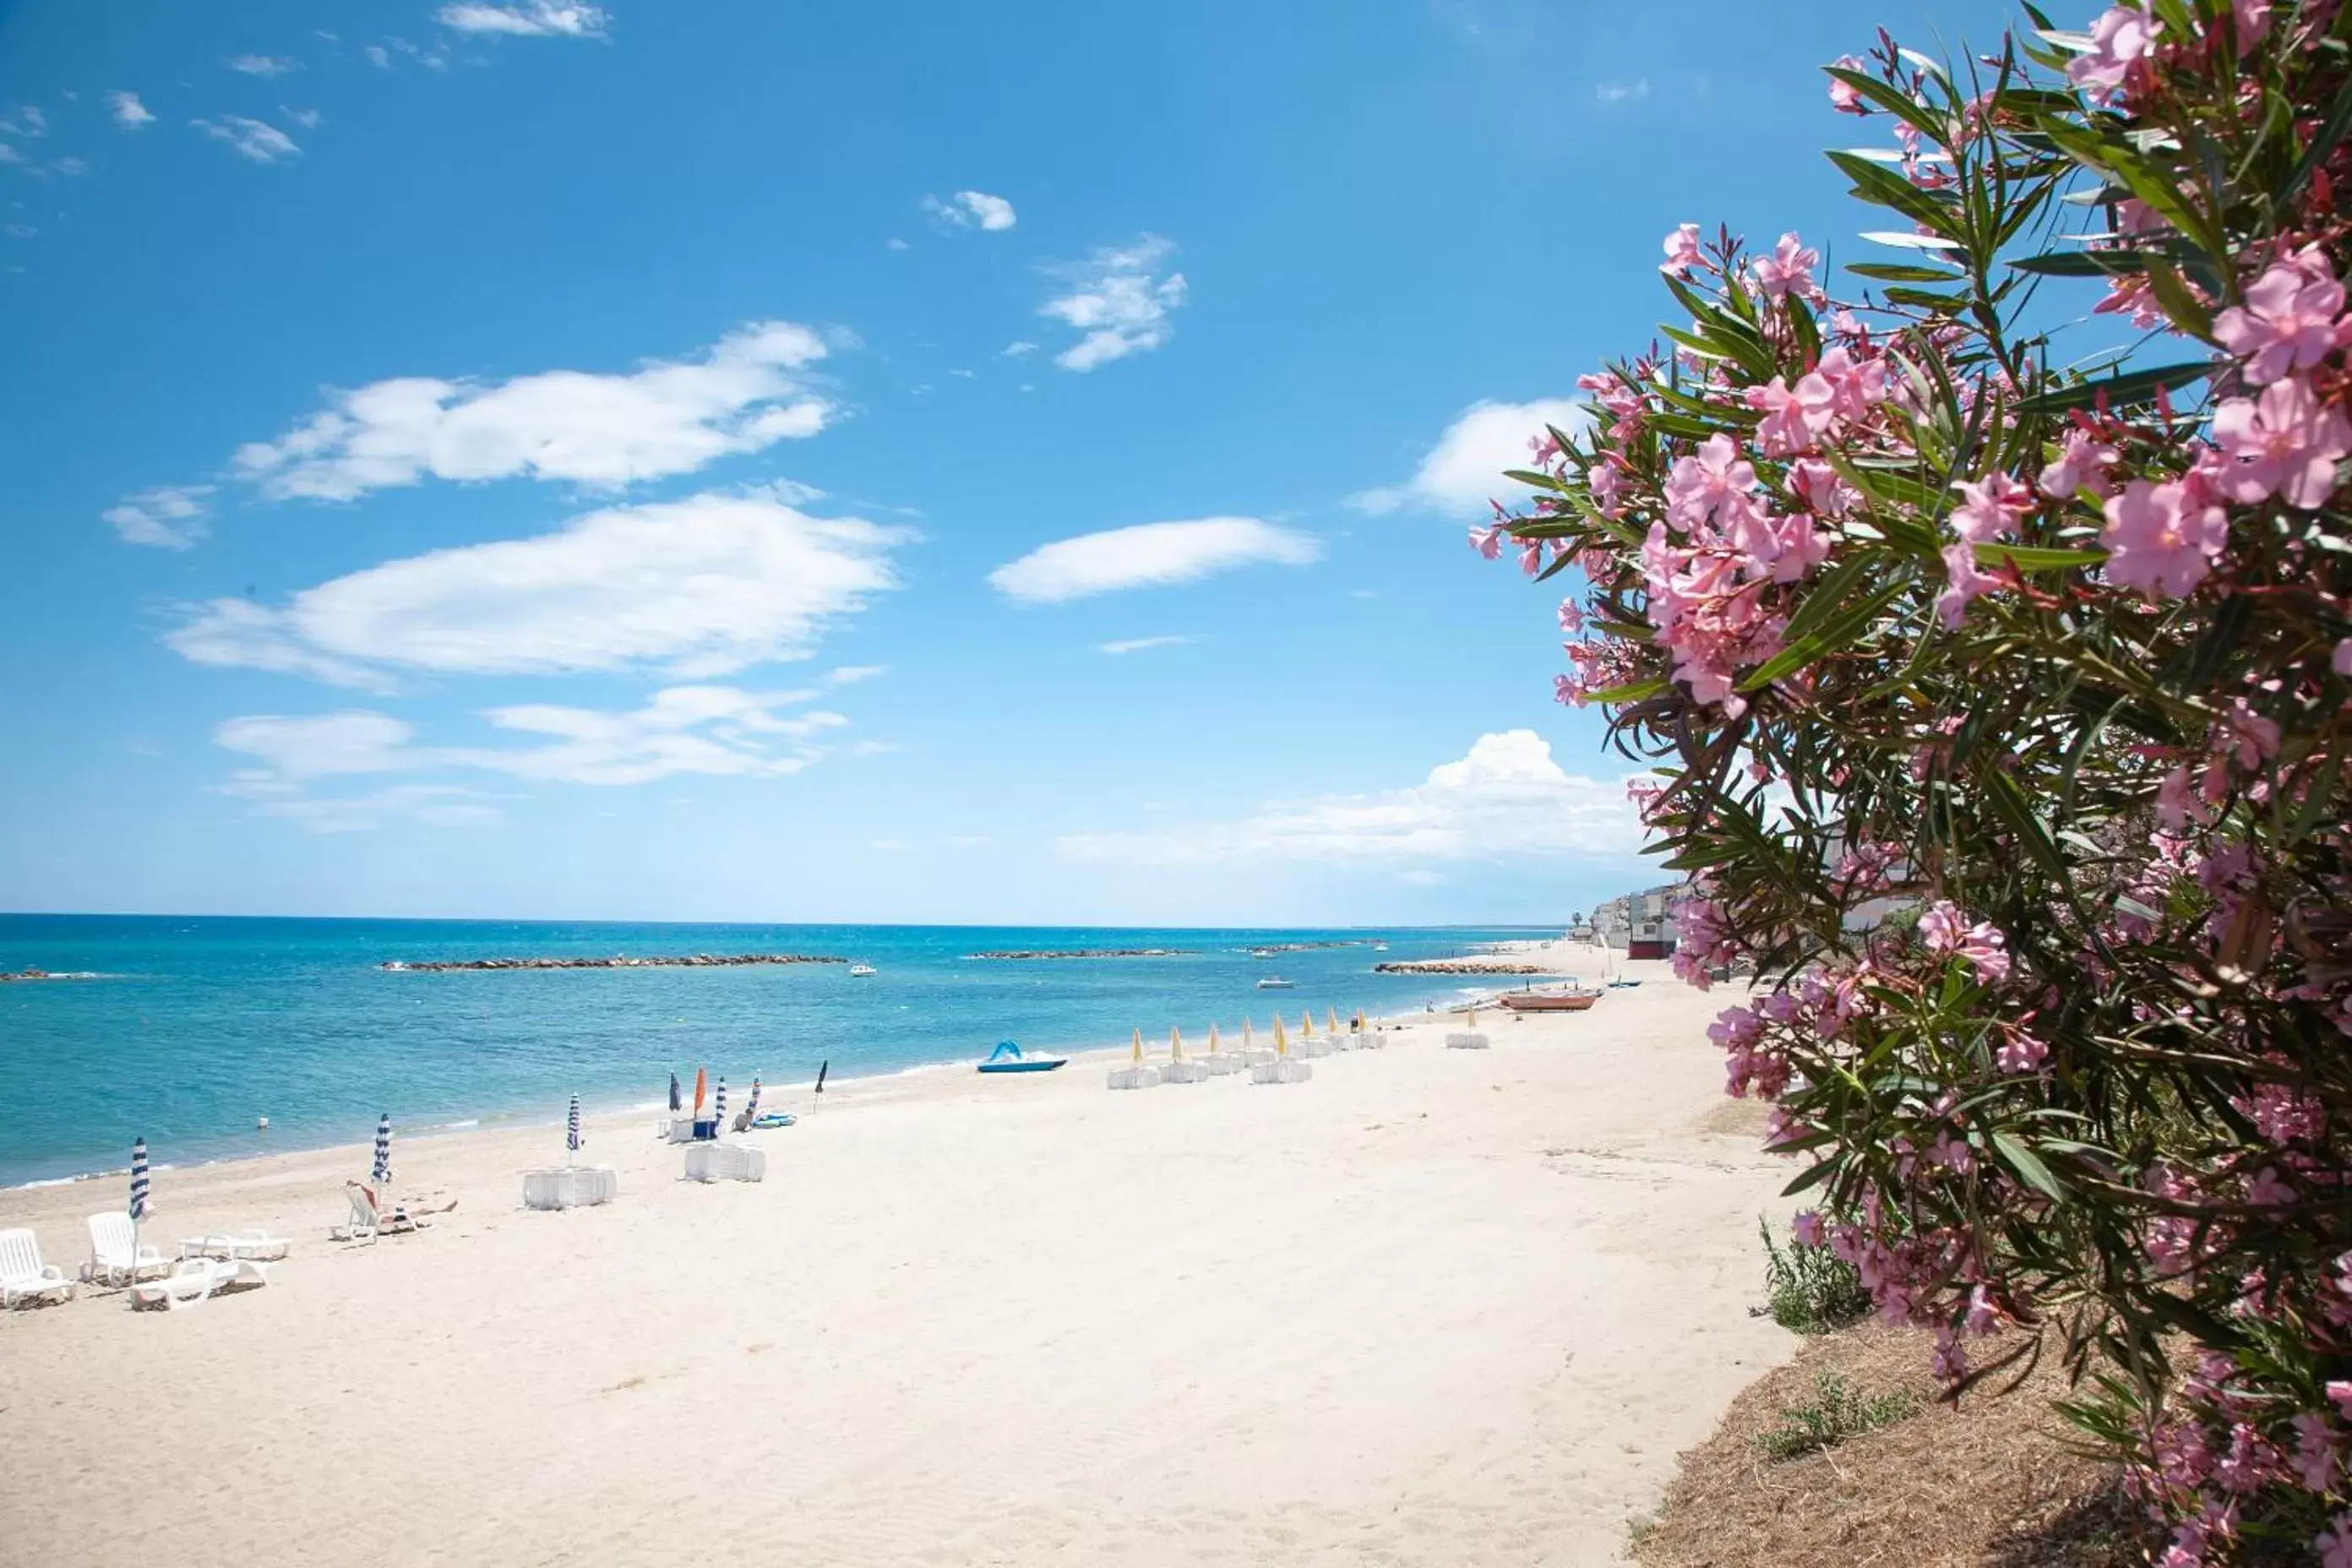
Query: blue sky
{"points": [[649, 461]]}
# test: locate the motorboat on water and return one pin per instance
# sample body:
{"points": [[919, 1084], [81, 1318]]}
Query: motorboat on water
{"points": [[862, 971], [1379, 947], [1275, 982]]}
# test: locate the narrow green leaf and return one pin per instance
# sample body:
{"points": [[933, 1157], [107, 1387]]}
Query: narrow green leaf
{"points": [[2127, 387]]}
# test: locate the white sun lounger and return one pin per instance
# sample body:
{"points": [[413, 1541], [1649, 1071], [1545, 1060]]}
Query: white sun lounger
{"points": [[115, 1258], [194, 1280], [23, 1275], [251, 1243]]}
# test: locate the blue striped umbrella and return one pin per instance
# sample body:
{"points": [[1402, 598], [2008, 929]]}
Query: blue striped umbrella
{"points": [[138, 1180], [382, 1172], [752, 1109], [572, 1130], [722, 1112]]}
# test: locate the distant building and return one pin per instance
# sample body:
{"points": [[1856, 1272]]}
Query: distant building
{"points": [[1642, 923]]}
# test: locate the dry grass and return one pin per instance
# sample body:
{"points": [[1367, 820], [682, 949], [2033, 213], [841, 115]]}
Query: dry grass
{"points": [[1986, 1484]]}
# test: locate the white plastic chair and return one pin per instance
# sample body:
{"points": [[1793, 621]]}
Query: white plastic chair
{"points": [[116, 1255], [194, 1280], [253, 1243], [23, 1275]]}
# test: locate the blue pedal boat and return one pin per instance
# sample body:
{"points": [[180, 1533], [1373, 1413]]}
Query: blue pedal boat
{"points": [[1007, 1058]]}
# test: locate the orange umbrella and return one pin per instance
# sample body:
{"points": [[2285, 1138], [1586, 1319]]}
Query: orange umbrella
{"points": [[701, 1086]]}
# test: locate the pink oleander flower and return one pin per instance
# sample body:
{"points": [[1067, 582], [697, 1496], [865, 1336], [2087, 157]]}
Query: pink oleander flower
{"points": [[1788, 270], [1487, 541], [2319, 1452], [1603, 479], [2267, 1191], [1856, 386], [2246, 735], [1806, 1228], [2082, 463], [2335, 1546], [1844, 97], [1531, 555], [2174, 805], [2286, 444], [2339, 1394], [2252, 18], [1981, 944], [1793, 417], [1571, 616], [2160, 540], [1697, 486], [1682, 252], [2341, 662], [2021, 1054], [1964, 583], [1990, 508], [2289, 319], [1817, 485], [2120, 39]]}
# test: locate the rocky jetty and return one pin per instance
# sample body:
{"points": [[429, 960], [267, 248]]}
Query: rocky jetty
{"points": [[1459, 966], [1089, 953], [690, 961], [1309, 946]]}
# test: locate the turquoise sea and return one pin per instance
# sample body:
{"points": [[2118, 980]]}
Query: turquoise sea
{"points": [[191, 1028]]}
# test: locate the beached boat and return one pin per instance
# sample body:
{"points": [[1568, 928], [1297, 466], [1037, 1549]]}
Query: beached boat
{"points": [[1551, 1002], [1007, 1058], [1275, 982], [861, 971]]}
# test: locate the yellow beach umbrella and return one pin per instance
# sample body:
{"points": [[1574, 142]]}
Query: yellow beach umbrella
{"points": [[1249, 1040], [1136, 1055], [1281, 1042], [1175, 1044], [1333, 1013], [1307, 1024], [1213, 1039]]}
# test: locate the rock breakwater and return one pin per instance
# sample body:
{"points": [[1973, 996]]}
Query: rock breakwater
{"points": [[1089, 953], [690, 961]]}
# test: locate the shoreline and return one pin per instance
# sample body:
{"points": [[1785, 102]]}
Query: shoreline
{"points": [[503, 1120]]}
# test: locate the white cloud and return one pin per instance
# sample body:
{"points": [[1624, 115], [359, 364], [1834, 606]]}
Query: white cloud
{"points": [[1118, 300], [967, 209], [895, 243], [381, 55], [28, 122], [669, 417], [129, 113], [704, 731], [9, 155], [378, 56], [262, 142], [1017, 349], [71, 165], [697, 587], [1148, 554], [851, 674], [1464, 469], [1137, 644], [1622, 91], [169, 517], [308, 119], [263, 65], [1507, 799], [536, 19]]}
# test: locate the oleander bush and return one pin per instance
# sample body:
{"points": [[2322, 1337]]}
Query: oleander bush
{"points": [[1989, 633], [1811, 1289]]}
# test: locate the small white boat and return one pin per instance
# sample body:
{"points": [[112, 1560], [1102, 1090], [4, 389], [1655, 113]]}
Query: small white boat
{"points": [[1379, 947], [1275, 982], [861, 971]]}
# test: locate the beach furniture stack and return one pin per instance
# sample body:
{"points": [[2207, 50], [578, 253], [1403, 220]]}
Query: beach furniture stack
{"points": [[1252, 1053], [251, 1245], [1138, 1073], [1220, 1061], [568, 1185], [1284, 1067], [1469, 1038], [1179, 1069], [714, 1161]]}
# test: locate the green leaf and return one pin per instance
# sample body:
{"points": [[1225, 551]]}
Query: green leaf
{"points": [[1897, 272], [2027, 1166], [1631, 691], [2032, 558], [1834, 636], [2186, 310], [2082, 263], [1882, 186], [2127, 387]]}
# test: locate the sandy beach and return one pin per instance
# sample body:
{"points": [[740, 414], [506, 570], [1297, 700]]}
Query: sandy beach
{"points": [[1433, 1307]]}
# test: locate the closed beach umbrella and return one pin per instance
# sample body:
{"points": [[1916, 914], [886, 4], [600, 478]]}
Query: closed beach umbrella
{"points": [[382, 1172], [572, 1130], [1249, 1040], [718, 1109], [1307, 1023], [138, 1199], [1213, 1039], [677, 1100], [1281, 1044], [752, 1107], [1175, 1044], [1333, 1019], [701, 1087], [1136, 1054]]}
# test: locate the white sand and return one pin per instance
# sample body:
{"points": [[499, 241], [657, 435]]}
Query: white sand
{"points": [[1434, 1307]]}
